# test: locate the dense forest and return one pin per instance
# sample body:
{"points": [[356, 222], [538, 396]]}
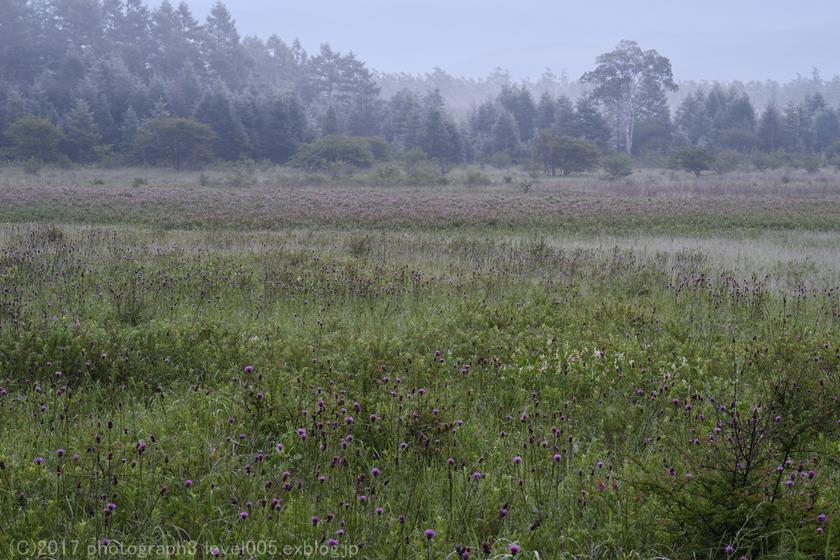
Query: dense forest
{"points": [[117, 82]]}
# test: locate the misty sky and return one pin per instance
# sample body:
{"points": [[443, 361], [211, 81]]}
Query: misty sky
{"points": [[705, 39]]}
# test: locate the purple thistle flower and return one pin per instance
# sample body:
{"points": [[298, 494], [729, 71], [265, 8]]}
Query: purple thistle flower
{"points": [[249, 369], [188, 483], [111, 506], [279, 447], [315, 520], [243, 515], [106, 541], [729, 549], [39, 460], [332, 542], [514, 549], [301, 433], [59, 452], [822, 517], [215, 551], [430, 534], [557, 457], [375, 472], [517, 459]]}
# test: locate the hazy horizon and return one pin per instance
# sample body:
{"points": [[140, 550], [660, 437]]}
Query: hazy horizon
{"points": [[754, 40]]}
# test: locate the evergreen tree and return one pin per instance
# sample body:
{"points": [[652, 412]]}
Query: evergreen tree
{"points": [[221, 47], [590, 125], [216, 111], [546, 112], [564, 121], [81, 135], [826, 129], [771, 130], [506, 135]]}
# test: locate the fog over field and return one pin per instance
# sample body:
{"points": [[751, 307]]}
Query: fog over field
{"points": [[714, 40]]}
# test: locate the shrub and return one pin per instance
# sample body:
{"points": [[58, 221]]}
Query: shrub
{"points": [[32, 166], [379, 148], [833, 151], [764, 161], [243, 174], [694, 159], [426, 173], [328, 151], [563, 153], [726, 161], [388, 173], [178, 142], [34, 138], [477, 179], [811, 163], [412, 157], [618, 165]]}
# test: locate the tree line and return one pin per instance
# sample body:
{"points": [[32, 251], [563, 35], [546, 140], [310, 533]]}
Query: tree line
{"points": [[118, 82]]}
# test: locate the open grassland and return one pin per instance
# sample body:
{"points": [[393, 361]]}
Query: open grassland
{"points": [[589, 369]]}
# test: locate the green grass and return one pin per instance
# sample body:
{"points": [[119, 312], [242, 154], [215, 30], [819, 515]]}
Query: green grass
{"points": [[597, 346]]}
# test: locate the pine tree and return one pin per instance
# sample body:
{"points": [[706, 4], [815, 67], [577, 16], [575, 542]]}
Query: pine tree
{"points": [[81, 134]]}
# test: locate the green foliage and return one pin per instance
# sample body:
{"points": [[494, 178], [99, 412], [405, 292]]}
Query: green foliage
{"points": [[426, 172], [811, 163], [833, 150], [568, 155], [331, 151], [32, 166], [643, 405], [81, 134], [726, 161], [388, 173], [694, 159], [617, 165], [476, 178], [175, 142], [100, 69], [630, 81], [34, 138]]}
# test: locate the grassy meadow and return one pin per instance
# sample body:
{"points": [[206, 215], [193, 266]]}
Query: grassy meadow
{"points": [[241, 362]]}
